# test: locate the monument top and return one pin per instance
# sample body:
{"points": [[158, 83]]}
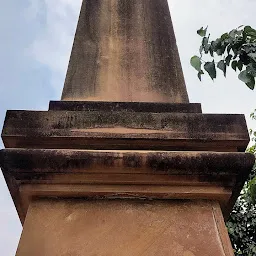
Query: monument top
{"points": [[125, 51]]}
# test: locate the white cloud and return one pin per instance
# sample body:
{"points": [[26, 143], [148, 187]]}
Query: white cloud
{"points": [[53, 44]]}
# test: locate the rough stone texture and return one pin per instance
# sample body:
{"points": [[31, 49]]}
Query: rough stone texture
{"points": [[109, 161], [125, 106], [125, 130], [125, 50], [124, 228], [124, 56], [123, 174]]}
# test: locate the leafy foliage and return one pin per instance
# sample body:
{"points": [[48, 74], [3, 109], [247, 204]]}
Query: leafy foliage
{"points": [[242, 226], [242, 222], [252, 149], [236, 49]]}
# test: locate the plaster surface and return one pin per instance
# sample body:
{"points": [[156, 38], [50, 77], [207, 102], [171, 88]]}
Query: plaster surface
{"points": [[124, 228]]}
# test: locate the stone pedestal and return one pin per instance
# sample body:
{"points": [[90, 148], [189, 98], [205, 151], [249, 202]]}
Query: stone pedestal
{"points": [[124, 178]]}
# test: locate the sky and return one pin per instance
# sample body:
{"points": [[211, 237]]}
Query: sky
{"points": [[36, 40]]}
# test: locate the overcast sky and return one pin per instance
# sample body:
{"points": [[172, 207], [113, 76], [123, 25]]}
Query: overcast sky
{"points": [[36, 39]]}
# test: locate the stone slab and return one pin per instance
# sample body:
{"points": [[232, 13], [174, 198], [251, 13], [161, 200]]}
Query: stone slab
{"points": [[210, 164], [125, 106], [125, 50], [124, 228], [125, 130], [149, 175]]}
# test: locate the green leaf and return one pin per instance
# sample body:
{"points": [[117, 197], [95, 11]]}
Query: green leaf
{"points": [[211, 50], [247, 28], [202, 32], [236, 46], [201, 50], [206, 45], [205, 41], [245, 59], [196, 63], [221, 49], [229, 48], [211, 70], [247, 78], [244, 76], [228, 59], [252, 56], [251, 69], [222, 66], [232, 33], [249, 31], [200, 73], [252, 189], [251, 84], [207, 48], [216, 44], [249, 48], [240, 65], [234, 64], [224, 36]]}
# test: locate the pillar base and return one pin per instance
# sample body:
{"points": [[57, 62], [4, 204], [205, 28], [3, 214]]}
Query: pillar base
{"points": [[130, 178]]}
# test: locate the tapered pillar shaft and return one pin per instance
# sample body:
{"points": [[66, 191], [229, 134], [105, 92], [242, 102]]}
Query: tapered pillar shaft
{"points": [[125, 50]]}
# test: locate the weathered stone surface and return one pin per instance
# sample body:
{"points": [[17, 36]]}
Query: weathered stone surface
{"points": [[125, 50], [124, 58], [123, 174], [165, 162], [125, 106], [125, 130], [124, 228]]}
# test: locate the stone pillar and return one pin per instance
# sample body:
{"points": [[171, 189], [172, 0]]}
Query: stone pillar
{"points": [[124, 165]]}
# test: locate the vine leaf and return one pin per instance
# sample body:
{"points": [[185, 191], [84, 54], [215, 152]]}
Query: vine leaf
{"points": [[251, 69], [252, 56], [201, 49], [202, 32], [222, 66], [247, 78], [252, 189], [240, 65], [196, 63], [251, 84], [228, 59], [211, 69], [249, 31], [235, 49], [234, 64]]}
